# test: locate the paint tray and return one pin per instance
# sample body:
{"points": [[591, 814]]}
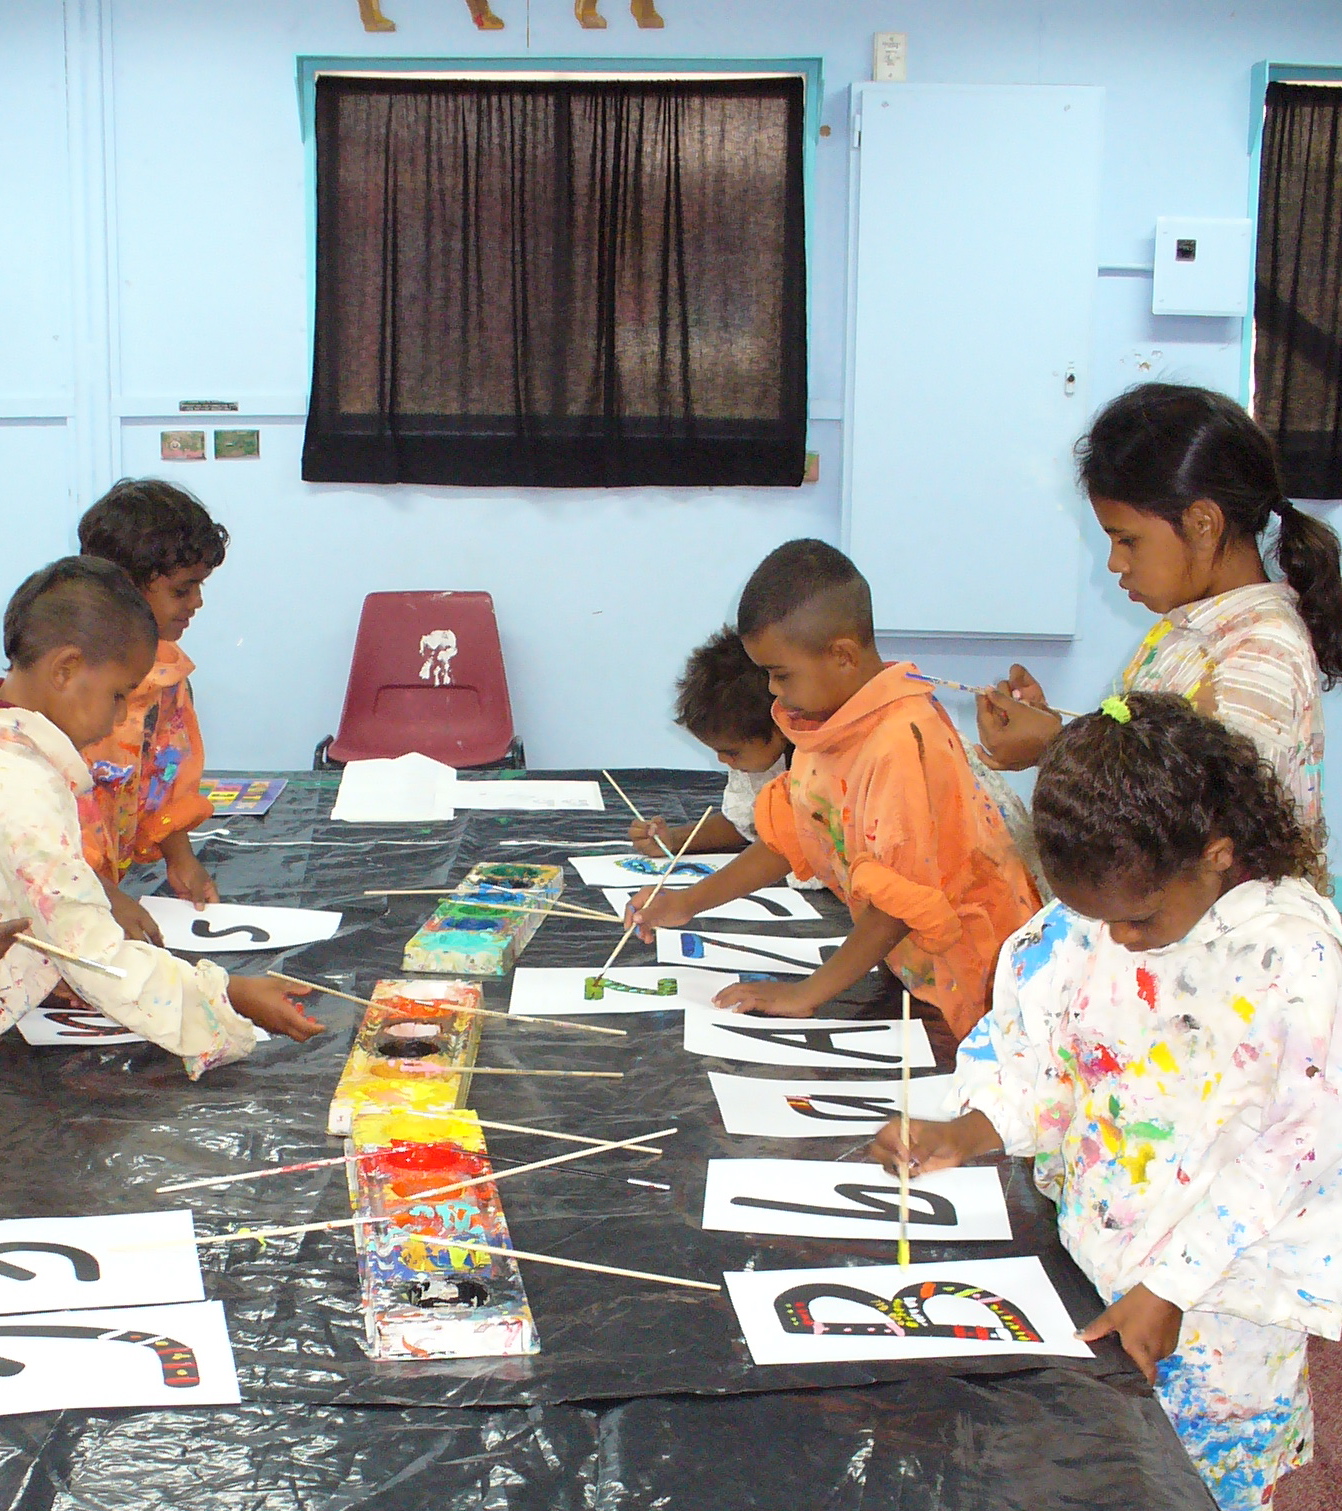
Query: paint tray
{"points": [[462, 938]]}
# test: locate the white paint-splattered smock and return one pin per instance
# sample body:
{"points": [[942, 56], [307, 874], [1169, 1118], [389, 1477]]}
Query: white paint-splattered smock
{"points": [[1182, 1108], [45, 878]]}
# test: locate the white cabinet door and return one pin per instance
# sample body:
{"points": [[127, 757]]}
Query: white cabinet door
{"points": [[971, 283]]}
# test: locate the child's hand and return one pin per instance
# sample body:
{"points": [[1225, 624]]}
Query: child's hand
{"points": [[8, 929], [933, 1145], [190, 880], [271, 1006], [1147, 1326], [668, 910], [644, 834], [1012, 735], [777, 999], [135, 921], [1024, 687]]}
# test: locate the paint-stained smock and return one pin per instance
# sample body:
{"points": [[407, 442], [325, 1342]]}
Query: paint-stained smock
{"points": [[1246, 657], [45, 878], [1182, 1108], [146, 773], [880, 804]]}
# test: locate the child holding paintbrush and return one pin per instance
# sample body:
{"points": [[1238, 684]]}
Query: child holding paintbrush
{"points": [[80, 639], [879, 804], [1165, 1043]]}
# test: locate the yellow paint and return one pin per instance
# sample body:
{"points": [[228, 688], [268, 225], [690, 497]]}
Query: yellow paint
{"points": [[1136, 1163], [1244, 1008], [402, 1125], [1162, 1059], [1111, 1135]]}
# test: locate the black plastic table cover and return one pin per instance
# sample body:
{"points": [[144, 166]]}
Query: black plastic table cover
{"points": [[641, 1395]]}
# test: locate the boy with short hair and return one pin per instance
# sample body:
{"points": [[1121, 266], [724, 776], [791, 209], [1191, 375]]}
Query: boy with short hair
{"points": [[146, 798], [80, 639], [879, 803]]}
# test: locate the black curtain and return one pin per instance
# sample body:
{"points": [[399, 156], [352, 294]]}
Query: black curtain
{"points": [[1298, 298], [564, 284]]}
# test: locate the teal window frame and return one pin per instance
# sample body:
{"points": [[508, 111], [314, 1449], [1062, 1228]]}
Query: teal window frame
{"points": [[1263, 74], [308, 67]]}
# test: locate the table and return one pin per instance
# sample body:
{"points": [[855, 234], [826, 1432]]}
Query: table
{"points": [[640, 1397]]}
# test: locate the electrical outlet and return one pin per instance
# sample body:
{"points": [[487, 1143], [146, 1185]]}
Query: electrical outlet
{"points": [[890, 59]]}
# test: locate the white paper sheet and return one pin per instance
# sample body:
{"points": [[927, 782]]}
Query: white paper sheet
{"points": [[1019, 1287], [768, 905], [804, 1198], [843, 1042], [117, 1365], [76, 1025], [760, 1107], [559, 990], [129, 1259], [411, 789], [523, 795], [632, 870], [225, 926], [744, 952]]}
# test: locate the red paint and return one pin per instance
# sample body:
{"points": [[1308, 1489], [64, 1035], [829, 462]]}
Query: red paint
{"points": [[1146, 987]]}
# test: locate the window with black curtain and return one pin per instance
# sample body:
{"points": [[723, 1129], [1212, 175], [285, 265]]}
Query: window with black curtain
{"points": [[559, 284], [1298, 297]]}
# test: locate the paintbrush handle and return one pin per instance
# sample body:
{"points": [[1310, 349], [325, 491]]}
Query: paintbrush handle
{"points": [[57, 953], [662, 881], [629, 803]]}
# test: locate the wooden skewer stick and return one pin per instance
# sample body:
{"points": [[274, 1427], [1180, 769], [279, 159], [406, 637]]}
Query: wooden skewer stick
{"points": [[629, 803], [967, 687], [564, 909], [57, 953], [483, 1012], [665, 877], [352, 1159], [904, 1133], [604, 1147], [479, 1180]]}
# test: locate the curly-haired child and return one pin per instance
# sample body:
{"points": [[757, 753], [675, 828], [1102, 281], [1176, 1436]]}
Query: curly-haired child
{"points": [[1165, 1042]]}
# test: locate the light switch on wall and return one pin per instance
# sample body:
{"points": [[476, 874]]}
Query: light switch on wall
{"points": [[890, 60]]}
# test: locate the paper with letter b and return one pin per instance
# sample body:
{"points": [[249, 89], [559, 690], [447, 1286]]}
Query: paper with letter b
{"points": [[768, 905], [128, 1356], [766, 1108], [805, 1198], [887, 1311], [566, 991], [232, 926], [744, 952], [851, 1044], [128, 1259]]}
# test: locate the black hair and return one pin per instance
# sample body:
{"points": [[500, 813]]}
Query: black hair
{"points": [[151, 528], [81, 601], [722, 694], [816, 583], [1143, 799], [1161, 447]]}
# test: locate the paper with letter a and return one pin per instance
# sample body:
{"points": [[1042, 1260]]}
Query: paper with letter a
{"points": [[761, 1107], [963, 1308], [412, 789], [848, 1043], [806, 1198], [226, 926], [744, 952], [126, 1356], [127, 1259]]}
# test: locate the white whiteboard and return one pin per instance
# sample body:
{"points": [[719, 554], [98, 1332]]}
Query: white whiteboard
{"points": [[972, 276]]}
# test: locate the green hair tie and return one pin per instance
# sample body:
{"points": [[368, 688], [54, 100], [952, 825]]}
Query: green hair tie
{"points": [[1117, 709]]}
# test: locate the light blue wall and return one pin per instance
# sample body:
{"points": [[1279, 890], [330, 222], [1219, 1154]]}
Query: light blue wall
{"points": [[153, 248]]}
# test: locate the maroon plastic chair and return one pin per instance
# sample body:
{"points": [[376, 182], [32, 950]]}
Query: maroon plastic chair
{"points": [[427, 675]]}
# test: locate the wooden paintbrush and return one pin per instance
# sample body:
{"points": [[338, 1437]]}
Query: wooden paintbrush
{"points": [[629, 803], [904, 1133], [965, 687], [565, 910], [665, 877], [57, 953], [483, 1012]]}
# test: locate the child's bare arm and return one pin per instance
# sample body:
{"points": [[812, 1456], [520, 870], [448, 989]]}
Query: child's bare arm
{"points": [[135, 921], [872, 938], [717, 833], [758, 866], [186, 876]]}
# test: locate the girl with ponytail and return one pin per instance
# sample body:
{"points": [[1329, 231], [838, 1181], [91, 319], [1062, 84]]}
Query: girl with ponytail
{"points": [[1186, 487]]}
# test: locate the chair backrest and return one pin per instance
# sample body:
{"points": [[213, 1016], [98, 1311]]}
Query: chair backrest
{"points": [[427, 675]]}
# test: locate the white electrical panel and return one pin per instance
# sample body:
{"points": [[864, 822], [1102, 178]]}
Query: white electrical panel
{"points": [[890, 57], [1202, 266]]}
